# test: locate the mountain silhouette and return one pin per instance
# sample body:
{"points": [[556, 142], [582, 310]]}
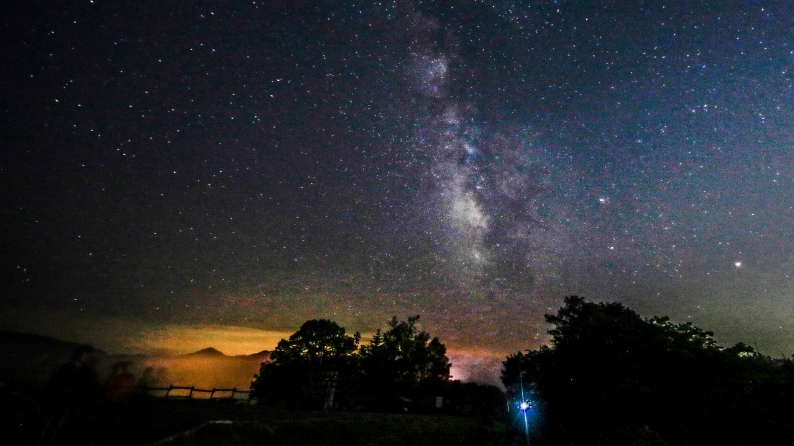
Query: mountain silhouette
{"points": [[264, 355], [209, 351], [29, 360]]}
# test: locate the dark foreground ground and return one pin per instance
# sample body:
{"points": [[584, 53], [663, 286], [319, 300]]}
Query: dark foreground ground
{"points": [[361, 429], [152, 421]]}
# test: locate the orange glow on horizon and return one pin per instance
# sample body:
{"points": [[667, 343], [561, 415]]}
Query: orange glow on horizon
{"points": [[476, 365], [230, 340]]}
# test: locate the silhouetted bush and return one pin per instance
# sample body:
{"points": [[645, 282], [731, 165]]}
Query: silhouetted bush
{"points": [[320, 366], [611, 377]]}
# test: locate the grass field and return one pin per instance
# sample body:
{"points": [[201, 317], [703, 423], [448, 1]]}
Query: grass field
{"points": [[362, 429]]}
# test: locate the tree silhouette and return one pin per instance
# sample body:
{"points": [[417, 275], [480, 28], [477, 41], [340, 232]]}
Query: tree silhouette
{"points": [[319, 350], [611, 377], [317, 342], [320, 362], [402, 362]]}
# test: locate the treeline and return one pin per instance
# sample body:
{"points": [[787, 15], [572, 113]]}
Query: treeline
{"points": [[400, 369], [610, 377]]}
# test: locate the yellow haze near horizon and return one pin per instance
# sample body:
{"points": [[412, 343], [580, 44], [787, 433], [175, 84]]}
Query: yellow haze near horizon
{"points": [[231, 340], [477, 365]]}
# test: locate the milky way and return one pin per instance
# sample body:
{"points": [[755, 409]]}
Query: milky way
{"points": [[256, 165], [480, 192]]}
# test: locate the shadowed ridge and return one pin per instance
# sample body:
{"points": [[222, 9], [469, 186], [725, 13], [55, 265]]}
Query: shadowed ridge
{"points": [[263, 354], [209, 351]]}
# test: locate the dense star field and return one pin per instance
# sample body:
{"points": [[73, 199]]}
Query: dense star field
{"points": [[251, 165]]}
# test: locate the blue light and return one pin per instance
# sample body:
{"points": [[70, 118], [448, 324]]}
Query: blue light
{"points": [[524, 406]]}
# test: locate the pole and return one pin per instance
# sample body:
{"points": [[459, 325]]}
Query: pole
{"points": [[523, 407]]}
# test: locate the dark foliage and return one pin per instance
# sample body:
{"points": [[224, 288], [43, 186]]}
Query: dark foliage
{"points": [[302, 370], [321, 366], [612, 377], [475, 399], [401, 363]]}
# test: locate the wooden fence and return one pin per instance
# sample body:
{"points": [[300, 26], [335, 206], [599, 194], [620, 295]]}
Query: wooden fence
{"points": [[182, 392]]}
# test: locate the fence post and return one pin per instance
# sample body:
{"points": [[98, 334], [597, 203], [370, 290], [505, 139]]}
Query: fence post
{"points": [[234, 390], [170, 386], [190, 395]]}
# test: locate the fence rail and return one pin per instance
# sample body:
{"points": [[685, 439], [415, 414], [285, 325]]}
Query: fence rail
{"points": [[184, 392]]}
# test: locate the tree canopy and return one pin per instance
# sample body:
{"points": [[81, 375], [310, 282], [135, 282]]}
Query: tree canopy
{"points": [[401, 363], [319, 350], [317, 342], [611, 377], [411, 354]]}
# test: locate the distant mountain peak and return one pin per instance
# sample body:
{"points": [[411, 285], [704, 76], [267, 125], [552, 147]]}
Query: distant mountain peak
{"points": [[259, 354], [209, 351]]}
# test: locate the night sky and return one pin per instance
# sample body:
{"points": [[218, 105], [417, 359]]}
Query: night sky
{"points": [[252, 165]]}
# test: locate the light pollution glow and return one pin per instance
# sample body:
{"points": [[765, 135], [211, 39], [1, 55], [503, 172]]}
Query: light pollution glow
{"points": [[231, 340], [476, 365], [163, 343], [467, 364]]}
